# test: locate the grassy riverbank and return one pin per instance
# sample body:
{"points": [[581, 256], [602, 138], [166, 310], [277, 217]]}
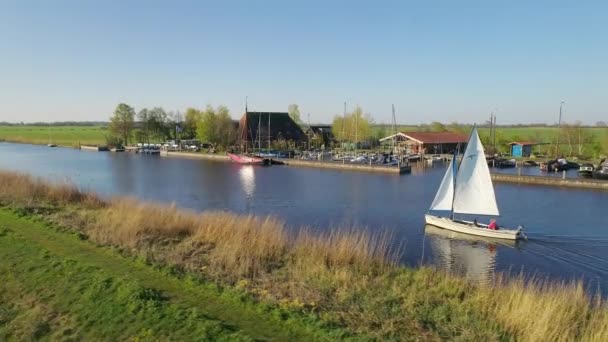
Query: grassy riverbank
{"points": [[59, 135], [335, 285]]}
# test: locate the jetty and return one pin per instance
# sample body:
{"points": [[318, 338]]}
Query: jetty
{"points": [[401, 169], [94, 148]]}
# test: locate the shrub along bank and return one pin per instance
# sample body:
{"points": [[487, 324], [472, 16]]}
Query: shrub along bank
{"points": [[344, 279]]}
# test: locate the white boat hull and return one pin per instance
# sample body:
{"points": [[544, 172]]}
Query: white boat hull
{"points": [[469, 228]]}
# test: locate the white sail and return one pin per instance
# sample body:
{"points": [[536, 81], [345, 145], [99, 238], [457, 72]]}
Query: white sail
{"points": [[474, 192], [445, 194]]}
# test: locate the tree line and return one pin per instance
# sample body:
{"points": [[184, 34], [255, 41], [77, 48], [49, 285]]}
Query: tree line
{"points": [[210, 125]]}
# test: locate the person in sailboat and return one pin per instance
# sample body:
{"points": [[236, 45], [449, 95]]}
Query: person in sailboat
{"points": [[493, 225]]}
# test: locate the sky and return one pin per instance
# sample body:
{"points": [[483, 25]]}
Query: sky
{"points": [[434, 60]]}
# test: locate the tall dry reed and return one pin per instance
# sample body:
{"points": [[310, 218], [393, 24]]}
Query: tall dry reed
{"points": [[24, 190]]}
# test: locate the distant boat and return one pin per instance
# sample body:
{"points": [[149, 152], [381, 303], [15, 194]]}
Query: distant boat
{"points": [[505, 163], [468, 189], [602, 170], [243, 159], [51, 145]]}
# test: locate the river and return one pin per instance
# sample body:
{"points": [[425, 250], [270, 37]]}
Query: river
{"points": [[567, 228]]}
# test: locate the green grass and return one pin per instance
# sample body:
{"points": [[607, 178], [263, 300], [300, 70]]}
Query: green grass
{"points": [[56, 286], [59, 135]]}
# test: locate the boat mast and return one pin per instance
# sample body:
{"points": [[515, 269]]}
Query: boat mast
{"points": [[394, 131], [457, 152], [454, 166], [260, 131], [245, 125], [269, 132], [343, 126]]}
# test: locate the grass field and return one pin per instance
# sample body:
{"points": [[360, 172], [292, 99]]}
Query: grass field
{"points": [[59, 135], [536, 134], [76, 266], [57, 286]]}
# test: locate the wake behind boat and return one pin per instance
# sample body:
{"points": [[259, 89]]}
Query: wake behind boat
{"points": [[467, 189]]}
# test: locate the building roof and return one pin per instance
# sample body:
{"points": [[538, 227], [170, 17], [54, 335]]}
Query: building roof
{"points": [[281, 127], [435, 137], [523, 143]]}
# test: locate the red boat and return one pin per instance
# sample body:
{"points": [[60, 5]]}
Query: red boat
{"points": [[241, 159]]}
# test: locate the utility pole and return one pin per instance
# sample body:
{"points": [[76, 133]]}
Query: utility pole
{"points": [[559, 126], [494, 139], [492, 131]]}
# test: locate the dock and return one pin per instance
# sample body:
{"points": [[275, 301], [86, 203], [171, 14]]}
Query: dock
{"points": [[94, 148], [302, 163], [580, 183], [404, 169]]}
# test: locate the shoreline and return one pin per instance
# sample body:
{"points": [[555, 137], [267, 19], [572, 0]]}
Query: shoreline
{"points": [[572, 183], [344, 279]]}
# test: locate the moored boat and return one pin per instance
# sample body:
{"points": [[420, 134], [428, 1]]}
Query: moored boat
{"points": [[243, 159], [586, 170], [602, 170], [467, 189]]}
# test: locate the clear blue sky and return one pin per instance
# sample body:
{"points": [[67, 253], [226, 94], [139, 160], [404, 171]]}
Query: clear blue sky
{"points": [[445, 61]]}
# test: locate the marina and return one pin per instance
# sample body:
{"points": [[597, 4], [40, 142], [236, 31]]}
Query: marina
{"points": [[562, 244]]}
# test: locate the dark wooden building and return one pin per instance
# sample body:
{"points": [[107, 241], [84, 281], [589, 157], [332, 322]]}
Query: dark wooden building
{"points": [[269, 126]]}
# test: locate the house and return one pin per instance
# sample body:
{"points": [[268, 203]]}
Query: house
{"points": [[264, 127], [522, 148], [426, 142]]}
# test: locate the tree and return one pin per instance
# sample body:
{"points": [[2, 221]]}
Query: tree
{"points": [[294, 113], [143, 117], [577, 137], [225, 130], [353, 127], [192, 117], [158, 123], [123, 121], [215, 126], [205, 128], [437, 127], [601, 124]]}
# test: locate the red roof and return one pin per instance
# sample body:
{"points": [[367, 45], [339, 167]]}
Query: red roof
{"points": [[437, 137]]}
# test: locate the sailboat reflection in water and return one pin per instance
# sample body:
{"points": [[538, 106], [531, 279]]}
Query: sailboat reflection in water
{"points": [[467, 189], [465, 255]]}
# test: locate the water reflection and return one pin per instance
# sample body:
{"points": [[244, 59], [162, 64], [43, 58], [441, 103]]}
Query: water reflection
{"points": [[247, 178], [465, 255]]}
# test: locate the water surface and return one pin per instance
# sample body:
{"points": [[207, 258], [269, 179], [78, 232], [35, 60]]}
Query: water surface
{"points": [[567, 228]]}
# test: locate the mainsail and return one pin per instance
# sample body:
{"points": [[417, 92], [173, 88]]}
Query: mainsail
{"points": [[474, 193], [445, 195]]}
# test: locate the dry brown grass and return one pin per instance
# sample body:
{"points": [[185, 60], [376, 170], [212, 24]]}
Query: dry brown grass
{"points": [[546, 311], [23, 190], [349, 277]]}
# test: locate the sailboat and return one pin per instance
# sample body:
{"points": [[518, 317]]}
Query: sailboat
{"points": [[467, 189], [50, 144], [244, 158]]}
